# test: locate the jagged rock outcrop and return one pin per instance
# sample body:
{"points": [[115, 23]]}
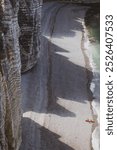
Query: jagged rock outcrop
{"points": [[29, 22], [10, 76]]}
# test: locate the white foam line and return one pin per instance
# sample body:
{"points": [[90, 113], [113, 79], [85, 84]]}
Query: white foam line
{"points": [[95, 102]]}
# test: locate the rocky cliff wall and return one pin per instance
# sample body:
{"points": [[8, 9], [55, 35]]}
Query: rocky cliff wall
{"points": [[19, 42], [29, 22], [10, 66]]}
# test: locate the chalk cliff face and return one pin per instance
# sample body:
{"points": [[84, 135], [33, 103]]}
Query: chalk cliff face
{"points": [[10, 66]]}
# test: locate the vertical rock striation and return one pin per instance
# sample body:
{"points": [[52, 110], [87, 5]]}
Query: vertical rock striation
{"points": [[19, 23], [10, 66], [29, 22]]}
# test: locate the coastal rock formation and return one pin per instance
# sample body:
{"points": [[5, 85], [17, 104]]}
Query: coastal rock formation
{"points": [[29, 22], [10, 66], [19, 42]]}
